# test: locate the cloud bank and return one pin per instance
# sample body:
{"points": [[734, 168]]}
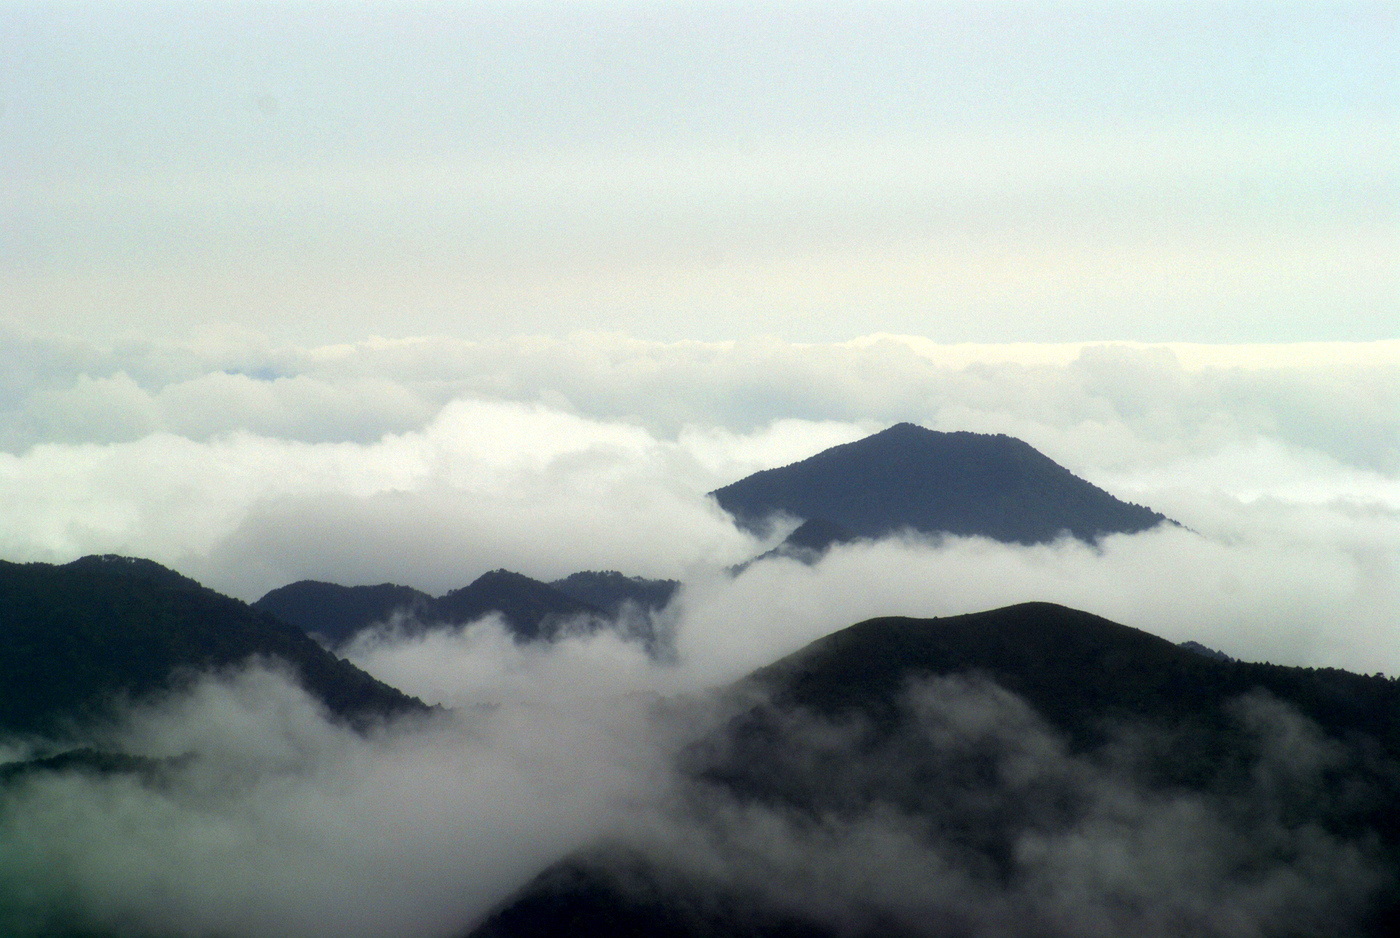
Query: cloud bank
{"points": [[280, 823], [429, 461], [971, 817]]}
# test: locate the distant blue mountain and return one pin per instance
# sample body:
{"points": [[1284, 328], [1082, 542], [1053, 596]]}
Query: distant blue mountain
{"points": [[531, 609], [908, 477], [611, 591], [336, 613]]}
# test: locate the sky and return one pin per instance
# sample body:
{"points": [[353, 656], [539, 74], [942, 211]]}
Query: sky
{"points": [[406, 292], [411, 291], [816, 171]]}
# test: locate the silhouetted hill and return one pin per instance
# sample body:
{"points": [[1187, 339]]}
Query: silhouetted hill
{"points": [[335, 613], [533, 610], [962, 742], [74, 637], [954, 483], [630, 604], [609, 590], [1083, 673]]}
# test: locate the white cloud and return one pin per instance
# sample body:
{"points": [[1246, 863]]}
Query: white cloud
{"points": [[1298, 586], [480, 663], [284, 824], [430, 461]]}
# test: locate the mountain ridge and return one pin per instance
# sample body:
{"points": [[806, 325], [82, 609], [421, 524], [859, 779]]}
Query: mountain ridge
{"points": [[531, 609]]}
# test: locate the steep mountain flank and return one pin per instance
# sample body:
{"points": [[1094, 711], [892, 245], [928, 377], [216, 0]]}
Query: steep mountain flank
{"points": [[73, 638]]}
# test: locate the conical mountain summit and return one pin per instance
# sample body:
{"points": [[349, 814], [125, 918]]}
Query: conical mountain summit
{"points": [[910, 478]]}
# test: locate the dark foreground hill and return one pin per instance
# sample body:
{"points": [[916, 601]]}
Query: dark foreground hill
{"points": [[76, 637], [1030, 771], [908, 477], [532, 610]]}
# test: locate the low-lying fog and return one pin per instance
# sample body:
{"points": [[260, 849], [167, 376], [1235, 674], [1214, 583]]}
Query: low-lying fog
{"points": [[429, 462]]}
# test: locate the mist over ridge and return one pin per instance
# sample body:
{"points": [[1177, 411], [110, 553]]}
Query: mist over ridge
{"points": [[1029, 770], [904, 480], [612, 783], [571, 743], [578, 748], [636, 469]]}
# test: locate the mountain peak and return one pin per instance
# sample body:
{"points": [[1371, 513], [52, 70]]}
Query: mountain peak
{"points": [[501, 577], [136, 567], [933, 482], [533, 609]]}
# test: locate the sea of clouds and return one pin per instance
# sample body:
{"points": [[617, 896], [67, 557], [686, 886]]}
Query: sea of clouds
{"points": [[272, 820], [430, 461], [249, 465]]}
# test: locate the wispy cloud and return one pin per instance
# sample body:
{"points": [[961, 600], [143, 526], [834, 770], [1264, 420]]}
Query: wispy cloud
{"points": [[279, 823]]}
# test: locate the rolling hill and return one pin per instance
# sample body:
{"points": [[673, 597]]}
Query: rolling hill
{"points": [[531, 610], [336, 613], [1020, 756], [611, 591]]}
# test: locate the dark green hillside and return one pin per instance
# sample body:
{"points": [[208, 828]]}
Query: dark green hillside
{"points": [[1077, 669], [74, 637], [1039, 724], [1085, 675], [908, 477]]}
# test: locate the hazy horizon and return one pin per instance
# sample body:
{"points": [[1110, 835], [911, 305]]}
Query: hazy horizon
{"points": [[814, 170], [514, 283]]}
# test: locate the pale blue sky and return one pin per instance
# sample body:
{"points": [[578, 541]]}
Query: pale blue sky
{"points": [[967, 172]]}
